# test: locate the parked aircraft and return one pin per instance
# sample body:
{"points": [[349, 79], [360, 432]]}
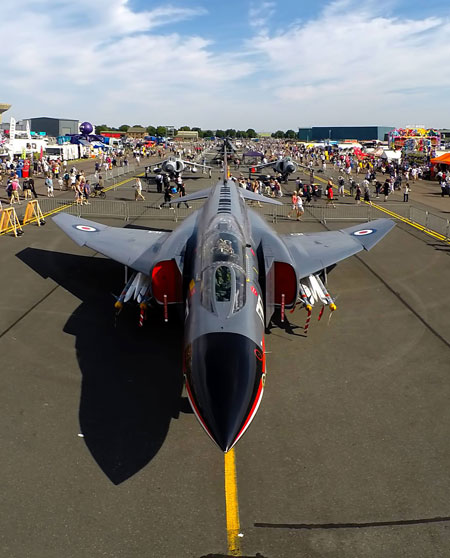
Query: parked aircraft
{"points": [[230, 271], [176, 165], [284, 166]]}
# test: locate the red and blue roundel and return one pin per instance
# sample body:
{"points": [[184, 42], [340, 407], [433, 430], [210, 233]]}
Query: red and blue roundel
{"points": [[364, 232], [85, 228]]}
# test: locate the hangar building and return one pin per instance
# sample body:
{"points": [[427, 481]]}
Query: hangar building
{"points": [[54, 127], [340, 133]]}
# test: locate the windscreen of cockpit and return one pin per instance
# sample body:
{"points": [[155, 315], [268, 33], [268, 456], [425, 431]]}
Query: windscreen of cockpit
{"points": [[223, 242], [223, 275]]}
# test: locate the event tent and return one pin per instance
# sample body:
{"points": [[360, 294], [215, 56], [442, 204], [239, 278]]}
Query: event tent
{"points": [[391, 155], [253, 155], [443, 159]]}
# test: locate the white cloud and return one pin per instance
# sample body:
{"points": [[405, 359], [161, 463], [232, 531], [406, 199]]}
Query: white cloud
{"points": [[102, 61], [353, 65], [260, 13]]}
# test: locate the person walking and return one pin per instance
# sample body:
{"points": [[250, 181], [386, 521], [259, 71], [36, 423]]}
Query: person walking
{"points": [[377, 189], [330, 195], [49, 184], [182, 192], [341, 181], [366, 192], [352, 187], [138, 190], [78, 193], [300, 208], [31, 187], [15, 186], [86, 192], [406, 191], [167, 197], [293, 210], [26, 190], [358, 195], [159, 182], [308, 193], [386, 189]]}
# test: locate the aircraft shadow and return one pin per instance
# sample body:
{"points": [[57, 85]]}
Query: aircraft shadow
{"points": [[286, 325], [131, 379]]}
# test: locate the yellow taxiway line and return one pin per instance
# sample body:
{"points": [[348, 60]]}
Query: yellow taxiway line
{"points": [[232, 505], [413, 224], [417, 226]]}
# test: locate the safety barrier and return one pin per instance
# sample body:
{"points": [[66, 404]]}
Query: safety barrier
{"points": [[33, 212], [430, 221], [316, 211], [320, 211], [9, 222], [113, 174]]}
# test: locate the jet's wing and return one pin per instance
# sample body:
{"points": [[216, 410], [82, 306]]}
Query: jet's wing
{"points": [[249, 195], [314, 252], [137, 249], [264, 165], [200, 195], [199, 165]]}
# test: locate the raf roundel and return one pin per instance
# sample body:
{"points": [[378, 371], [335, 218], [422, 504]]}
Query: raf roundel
{"points": [[364, 232], [85, 228]]}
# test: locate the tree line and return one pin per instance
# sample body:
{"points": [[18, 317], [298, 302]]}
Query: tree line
{"points": [[229, 133]]}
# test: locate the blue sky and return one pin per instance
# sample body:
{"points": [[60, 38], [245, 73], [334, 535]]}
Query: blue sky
{"points": [[272, 64]]}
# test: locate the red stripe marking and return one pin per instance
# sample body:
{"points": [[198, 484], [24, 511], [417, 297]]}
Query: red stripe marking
{"points": [[197, 412], [252, 410]]}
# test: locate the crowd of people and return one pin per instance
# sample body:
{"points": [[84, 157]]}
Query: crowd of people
{"points": [[362, 177]]}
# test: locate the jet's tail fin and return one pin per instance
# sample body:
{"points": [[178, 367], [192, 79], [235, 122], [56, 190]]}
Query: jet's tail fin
{"points": [[226, 170]]}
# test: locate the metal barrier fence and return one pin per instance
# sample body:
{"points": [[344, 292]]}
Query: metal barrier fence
{"points": [[113, 174], [322, 213], [430, 221], [319, 211]]}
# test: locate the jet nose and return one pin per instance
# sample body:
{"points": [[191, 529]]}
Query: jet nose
{"points": [[224, 379]]}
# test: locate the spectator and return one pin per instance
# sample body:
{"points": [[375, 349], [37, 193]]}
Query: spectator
{"points": [[386, 189], [358, 194], [406, 190], [138, 190], [31, 186], [26, 189], [49, 184]]}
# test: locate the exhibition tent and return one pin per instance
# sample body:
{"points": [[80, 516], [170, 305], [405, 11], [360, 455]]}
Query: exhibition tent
{"points": [[391, 155], [443, 159]]}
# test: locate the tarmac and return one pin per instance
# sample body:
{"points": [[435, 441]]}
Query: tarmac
{"points": [[348, 454]]}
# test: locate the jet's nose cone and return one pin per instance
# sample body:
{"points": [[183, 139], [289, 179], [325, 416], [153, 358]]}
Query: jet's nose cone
{"points": [[224, 379], [224, 442]]}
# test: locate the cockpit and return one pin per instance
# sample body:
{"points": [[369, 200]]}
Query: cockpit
{"points": [[223, 275]]}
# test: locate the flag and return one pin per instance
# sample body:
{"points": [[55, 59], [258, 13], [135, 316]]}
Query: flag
{"points": [[12, 129]]}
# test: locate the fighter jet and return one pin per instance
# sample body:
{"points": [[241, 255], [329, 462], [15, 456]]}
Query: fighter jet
{"points": [[284, 166], [225, 150], [176, 165], [230, 271]]}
